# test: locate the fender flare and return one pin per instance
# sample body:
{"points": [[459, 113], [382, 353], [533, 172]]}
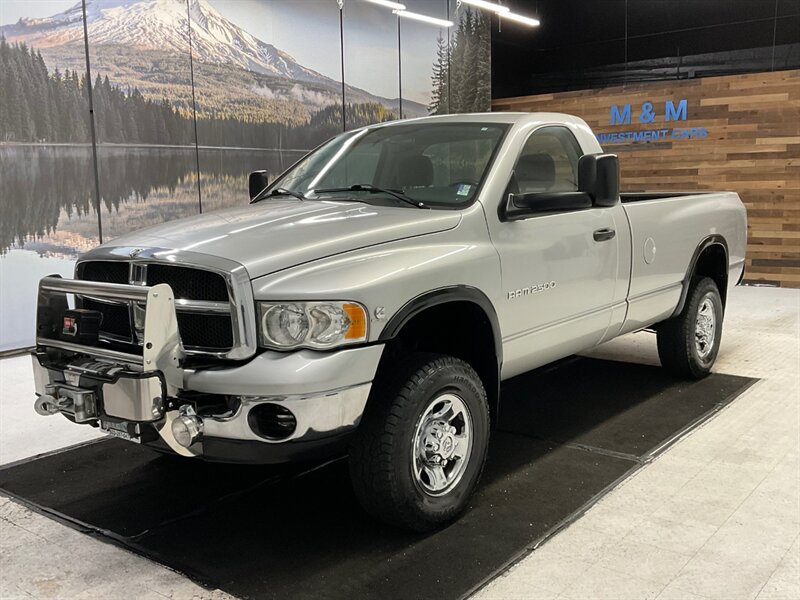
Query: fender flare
{"points": [[708, 241], [456, 293]]}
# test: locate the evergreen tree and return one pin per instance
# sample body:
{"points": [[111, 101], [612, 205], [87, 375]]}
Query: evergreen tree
{"points": [[458, 64], [461, 74], [483, 70], [469, 78], [40, 99], [439, 96]]}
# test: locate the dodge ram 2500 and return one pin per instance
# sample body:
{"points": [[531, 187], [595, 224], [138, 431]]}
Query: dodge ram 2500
{"points": [[371, 299]]}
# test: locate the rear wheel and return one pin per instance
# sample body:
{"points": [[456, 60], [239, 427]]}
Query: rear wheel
{"points": [[421, 446], [689, 343]]}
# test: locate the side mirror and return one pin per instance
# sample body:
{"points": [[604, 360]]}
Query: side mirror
{"points": [[258, 181], [520, 206], [598, 176]]}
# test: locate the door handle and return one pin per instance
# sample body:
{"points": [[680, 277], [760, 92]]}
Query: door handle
{"points": [[602, 235]]}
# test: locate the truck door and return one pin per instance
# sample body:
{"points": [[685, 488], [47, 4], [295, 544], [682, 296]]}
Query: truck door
{"points": [[559, 269]]}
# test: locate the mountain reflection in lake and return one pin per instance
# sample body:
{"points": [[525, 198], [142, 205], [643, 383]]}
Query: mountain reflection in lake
{"points": [[47, 192]]}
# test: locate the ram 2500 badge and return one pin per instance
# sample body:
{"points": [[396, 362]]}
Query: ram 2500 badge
{"points": [[372, 298]]}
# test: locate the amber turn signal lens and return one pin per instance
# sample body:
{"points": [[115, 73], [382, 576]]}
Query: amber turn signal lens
{"points": [[358, 321]]}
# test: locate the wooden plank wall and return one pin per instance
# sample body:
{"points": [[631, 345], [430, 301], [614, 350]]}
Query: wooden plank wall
{"points": [[753, 148]]}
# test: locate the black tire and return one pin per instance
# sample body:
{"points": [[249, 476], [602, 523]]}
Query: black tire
{"points": [[680, 349], [382, 453]]}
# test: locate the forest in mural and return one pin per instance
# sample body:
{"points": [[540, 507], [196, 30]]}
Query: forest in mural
{"points": [[32, 100], [461, 79]]}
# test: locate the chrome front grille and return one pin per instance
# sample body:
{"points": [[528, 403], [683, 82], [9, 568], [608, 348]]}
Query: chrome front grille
{"points": [[213, 306]]}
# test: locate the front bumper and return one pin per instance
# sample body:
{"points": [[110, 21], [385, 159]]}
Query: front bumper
{"points": [[326, 392], [140, 397], [323, 419]]}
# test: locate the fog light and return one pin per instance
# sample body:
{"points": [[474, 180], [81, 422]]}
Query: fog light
{"points": [[187, 430]]}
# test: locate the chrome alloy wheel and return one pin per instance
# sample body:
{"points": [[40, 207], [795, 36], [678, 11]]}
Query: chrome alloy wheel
{"points": [[704, 328], [442, 444]]}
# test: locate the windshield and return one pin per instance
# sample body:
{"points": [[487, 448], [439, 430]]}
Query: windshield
{"points": [[437, 164]]}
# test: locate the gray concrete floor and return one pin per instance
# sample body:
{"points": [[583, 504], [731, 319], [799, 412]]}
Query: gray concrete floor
{"points": [[716, 516], [23, 433]]}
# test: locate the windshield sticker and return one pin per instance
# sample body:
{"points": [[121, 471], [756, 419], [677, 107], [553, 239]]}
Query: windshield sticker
{"points": [[463, 189]]}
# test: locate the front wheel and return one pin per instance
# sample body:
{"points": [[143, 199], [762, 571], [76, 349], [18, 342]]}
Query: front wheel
{"points": [[689, 343], [421, 445]]}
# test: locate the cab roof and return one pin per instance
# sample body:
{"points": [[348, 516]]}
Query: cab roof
{"points": [[491, 117]]}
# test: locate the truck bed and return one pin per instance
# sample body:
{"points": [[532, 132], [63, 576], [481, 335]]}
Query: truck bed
{"points": [[664, 237]]}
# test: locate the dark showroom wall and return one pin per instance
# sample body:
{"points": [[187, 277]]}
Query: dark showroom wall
{"points": [[691, 94], [189, 96]]}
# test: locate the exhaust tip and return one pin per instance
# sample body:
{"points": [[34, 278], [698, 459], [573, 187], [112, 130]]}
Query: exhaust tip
{"points": [[187, 430]]}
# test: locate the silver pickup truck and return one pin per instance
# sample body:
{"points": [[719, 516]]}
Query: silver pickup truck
{"points": [[371, 299]]}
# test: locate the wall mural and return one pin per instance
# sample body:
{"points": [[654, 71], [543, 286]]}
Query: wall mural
{"points": [[189, 97]]}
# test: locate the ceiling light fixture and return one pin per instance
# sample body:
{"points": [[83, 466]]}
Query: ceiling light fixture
{"points": [[520, 19], [425, 18], [389, 4], [488, 6]]}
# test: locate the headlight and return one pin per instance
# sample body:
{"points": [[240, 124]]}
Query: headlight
{"points": [[288, 325]]}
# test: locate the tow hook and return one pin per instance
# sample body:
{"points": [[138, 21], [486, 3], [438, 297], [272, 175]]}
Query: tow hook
{"points": [[46, 405]]}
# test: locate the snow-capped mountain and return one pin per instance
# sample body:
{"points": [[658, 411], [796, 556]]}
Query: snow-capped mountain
{"points": [[162, 25], [145, 43]]}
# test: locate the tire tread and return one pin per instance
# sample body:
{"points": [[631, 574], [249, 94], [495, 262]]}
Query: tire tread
{"points": [[372, 450], [675, 336]]}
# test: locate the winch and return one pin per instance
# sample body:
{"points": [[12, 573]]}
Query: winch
{"points": [[80, 404]]}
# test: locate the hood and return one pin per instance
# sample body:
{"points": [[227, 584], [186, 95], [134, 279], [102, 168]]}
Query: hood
{"points": [[275, 234]]}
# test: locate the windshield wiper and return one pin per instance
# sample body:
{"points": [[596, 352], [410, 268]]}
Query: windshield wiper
{"points": [[278, 192], [368, 187]]}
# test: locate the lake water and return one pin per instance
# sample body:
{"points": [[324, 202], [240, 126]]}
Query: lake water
{"points": [[47, 192], [48, 215]]}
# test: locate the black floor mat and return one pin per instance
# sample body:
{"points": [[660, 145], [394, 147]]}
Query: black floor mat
{"points": [[565, 435], [619, 407]]}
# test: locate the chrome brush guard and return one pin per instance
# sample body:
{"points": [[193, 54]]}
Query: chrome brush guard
{"points": [[92, 382]]}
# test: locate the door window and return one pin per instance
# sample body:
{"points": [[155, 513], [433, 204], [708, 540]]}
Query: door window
{"points": [[548, 163]]}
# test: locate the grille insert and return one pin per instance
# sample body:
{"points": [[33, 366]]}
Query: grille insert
{"points": [[104, 271], [206, 331], [194, 284]]}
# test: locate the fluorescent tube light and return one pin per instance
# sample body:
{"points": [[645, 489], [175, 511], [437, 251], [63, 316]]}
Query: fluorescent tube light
{"points": [[425, 18], [389, 4], [520, 19], [488, 6]]}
